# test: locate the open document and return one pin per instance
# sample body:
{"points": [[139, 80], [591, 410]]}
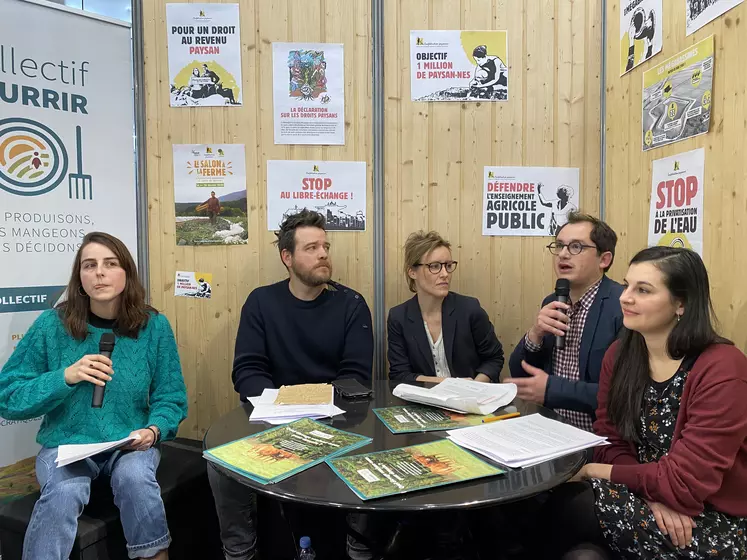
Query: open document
{"points": [[266, 409], [460, 395], [67, 454], [525, 441]]}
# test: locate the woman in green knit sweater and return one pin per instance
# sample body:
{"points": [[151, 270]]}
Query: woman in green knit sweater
{"points": [[52, 373]]}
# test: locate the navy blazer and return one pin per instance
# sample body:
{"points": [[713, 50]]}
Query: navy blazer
{"points": [[603, 323], [469, 340]]}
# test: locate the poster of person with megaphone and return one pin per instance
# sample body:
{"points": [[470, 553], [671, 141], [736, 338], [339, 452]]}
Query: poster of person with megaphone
{"points": [[640, 32]]}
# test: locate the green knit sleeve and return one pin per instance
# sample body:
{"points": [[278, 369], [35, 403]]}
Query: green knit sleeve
{"points": [[168, 395], [28, 388]]}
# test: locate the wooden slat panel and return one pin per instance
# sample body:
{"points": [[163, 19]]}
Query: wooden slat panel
{"points": [[206, 330], [629, 169], [435, 153]]}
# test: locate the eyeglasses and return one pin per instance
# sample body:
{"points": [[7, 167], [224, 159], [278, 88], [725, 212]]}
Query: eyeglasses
{"points": [[435, 267], [574, 248]]}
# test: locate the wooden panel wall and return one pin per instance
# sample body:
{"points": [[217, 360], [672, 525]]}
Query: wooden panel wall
{"points": [[435, 153], [206, 330], [629, 168]]}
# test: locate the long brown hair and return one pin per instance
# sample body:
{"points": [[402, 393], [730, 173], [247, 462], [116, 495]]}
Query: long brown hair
{"points": [[686, 279], [133, 313]]}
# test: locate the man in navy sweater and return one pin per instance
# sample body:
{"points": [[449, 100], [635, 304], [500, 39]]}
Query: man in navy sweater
{"points": [[307, 329]]}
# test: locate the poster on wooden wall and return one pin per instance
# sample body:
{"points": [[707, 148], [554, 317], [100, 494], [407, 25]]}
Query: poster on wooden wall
{"points": [[677, 96], [676, 215], [702, 12], [204, 45], [336, 189], [308, 93], [459, 65], [641, 26], [198, 285], [210, 194], [528, 201]]}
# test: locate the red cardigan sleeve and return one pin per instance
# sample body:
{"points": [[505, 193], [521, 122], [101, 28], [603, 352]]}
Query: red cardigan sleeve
{"points": [[619, 452], [715, 429]]}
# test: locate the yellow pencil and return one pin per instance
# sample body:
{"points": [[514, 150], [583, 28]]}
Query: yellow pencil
{"points": [[502, 417]]}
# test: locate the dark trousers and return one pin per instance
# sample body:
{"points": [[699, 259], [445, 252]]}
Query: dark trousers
{"points": [[570, 524]]}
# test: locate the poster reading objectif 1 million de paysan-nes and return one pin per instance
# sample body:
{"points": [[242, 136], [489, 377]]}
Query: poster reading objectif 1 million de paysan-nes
{"points": [[459, 65]]}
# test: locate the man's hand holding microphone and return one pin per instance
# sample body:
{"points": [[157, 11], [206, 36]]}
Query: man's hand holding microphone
{"points": [[552, 319]]}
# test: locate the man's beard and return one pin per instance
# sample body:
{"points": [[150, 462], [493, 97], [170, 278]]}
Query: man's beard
{"points": [[317, 276]]}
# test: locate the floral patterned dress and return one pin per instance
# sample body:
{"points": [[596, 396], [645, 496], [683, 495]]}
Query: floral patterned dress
{"points": [[627, 522]]}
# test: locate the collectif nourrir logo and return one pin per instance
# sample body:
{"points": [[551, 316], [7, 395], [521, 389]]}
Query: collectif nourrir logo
{"points": [[33, 159]]}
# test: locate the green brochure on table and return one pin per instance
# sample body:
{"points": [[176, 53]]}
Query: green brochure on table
{"points": [[417, 418], [407, 469], [277, 453]]}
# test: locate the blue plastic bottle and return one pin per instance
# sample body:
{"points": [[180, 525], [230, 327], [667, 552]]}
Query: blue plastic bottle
{"points": [[306, 552]]}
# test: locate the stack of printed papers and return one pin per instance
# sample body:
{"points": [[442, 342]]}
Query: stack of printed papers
{"points": [[460, 395], [277, 453], [525, 441], [266, 409]]}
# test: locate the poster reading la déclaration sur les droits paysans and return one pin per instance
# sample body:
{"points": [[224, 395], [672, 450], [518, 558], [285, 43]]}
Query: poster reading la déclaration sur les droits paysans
{"points": [[676, 215], [204, 43], [308, 93]]}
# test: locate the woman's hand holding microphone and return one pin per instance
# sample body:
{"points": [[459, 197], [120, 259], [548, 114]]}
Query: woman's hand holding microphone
{"points": [[94, 368]]}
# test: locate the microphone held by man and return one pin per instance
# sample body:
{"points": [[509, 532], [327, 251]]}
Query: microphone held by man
{"points": [[563, 295]]}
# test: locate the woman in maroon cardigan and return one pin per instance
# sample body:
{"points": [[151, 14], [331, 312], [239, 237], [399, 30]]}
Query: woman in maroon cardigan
{"points": [[673, 481]]}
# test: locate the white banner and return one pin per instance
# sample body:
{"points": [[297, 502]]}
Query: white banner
{"points": [[676, 216], [336, 189], [308, 92], [204, 54], [210, 194], [66, 162], [459, 65], [528, 201]]}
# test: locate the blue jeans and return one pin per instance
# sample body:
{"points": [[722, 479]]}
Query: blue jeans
{"points": [[65, 492]]}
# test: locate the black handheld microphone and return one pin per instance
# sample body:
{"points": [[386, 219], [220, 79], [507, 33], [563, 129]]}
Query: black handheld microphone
{"points": [[563, 293], [106, 347]]}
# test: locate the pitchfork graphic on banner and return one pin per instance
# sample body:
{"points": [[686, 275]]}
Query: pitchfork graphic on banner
{"points": [[79, 180]]}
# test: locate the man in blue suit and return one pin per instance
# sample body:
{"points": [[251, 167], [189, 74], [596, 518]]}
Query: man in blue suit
{"points": [[567, 380]]}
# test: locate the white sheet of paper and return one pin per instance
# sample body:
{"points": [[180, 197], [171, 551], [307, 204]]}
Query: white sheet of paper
{"points": [[525, 441], [460, 395], [67, 454], [266, 409]]}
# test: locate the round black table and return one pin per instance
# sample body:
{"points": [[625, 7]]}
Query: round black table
{"points": [[321, 487]]}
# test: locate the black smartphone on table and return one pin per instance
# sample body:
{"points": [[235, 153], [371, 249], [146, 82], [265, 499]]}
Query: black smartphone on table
{"points": [[351, 389]]}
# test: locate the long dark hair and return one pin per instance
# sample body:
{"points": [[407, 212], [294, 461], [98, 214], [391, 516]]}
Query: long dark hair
{"points": [[133, 313], [686, 278]]}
